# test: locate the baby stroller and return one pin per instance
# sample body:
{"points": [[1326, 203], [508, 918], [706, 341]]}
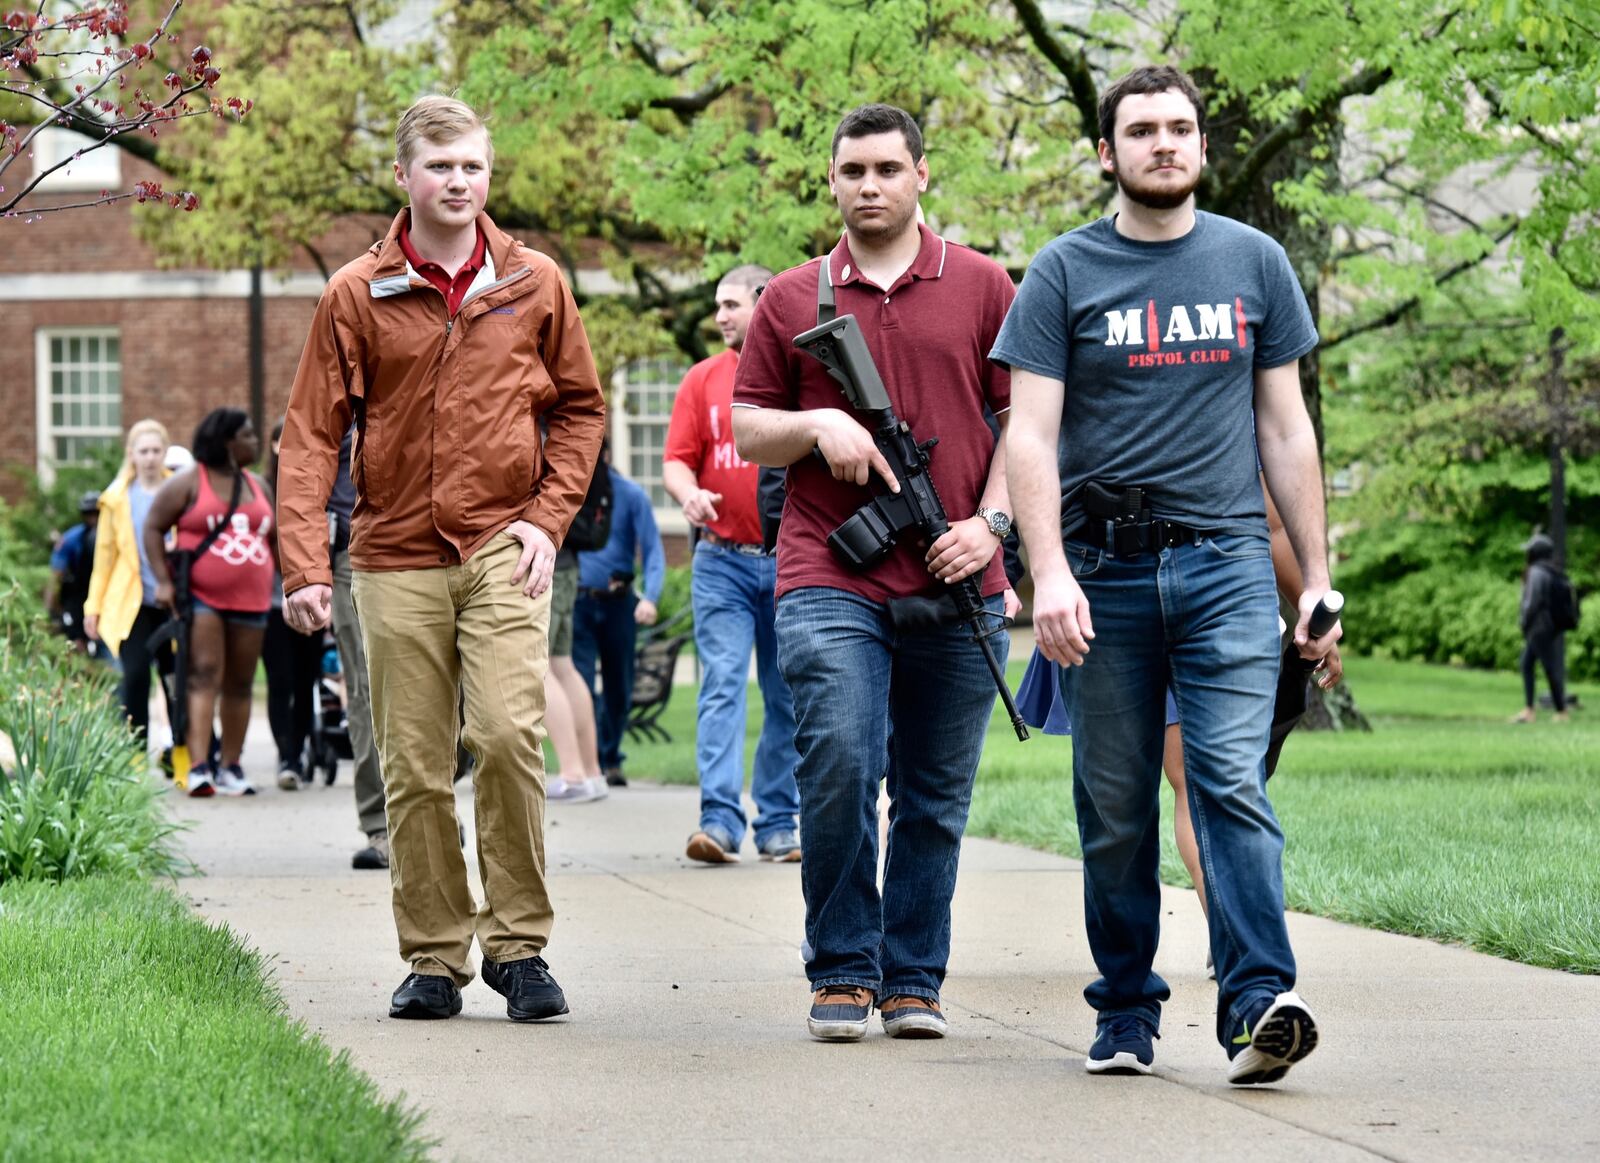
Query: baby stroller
{"points": [[329, 740]]}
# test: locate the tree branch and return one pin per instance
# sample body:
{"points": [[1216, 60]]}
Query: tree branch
{"points": [[1073, 67], [687, 105], [1281, 136], [1400, 310]]}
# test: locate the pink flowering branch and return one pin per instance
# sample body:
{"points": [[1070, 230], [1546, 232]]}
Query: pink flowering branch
{"points": [[100, 106]]}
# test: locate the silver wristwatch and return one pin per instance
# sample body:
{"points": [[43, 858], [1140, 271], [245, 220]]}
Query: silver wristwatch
{"points": [[999, 523]]}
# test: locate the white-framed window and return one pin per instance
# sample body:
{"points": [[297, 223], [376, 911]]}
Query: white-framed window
{"points": [[99, 169], [79, 373], [641, 399]]}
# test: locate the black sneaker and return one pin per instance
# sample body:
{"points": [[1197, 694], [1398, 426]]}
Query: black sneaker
{"points": [[530, 992], [614, 777], [425, 996], [1123, 1044], [1281, 1035]]}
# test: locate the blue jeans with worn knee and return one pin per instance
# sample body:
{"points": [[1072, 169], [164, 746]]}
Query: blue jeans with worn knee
{"points": [[872, 705], [1202, 617], [734, 610]]}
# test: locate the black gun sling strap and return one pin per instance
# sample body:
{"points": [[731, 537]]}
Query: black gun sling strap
{"points": [[826, 311]]}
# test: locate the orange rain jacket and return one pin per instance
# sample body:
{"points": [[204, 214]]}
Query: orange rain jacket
{"points": [[448, 411]]}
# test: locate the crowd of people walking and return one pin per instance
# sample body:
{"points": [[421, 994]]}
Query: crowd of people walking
{"points": [[439, 500]]}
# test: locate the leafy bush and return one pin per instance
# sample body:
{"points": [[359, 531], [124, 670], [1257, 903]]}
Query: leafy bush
{"points": [[1450, 593], [77, 801], [675, 597], [29, 529]]}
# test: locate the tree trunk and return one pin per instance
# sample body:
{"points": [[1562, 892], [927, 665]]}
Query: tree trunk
{"points": [[1557, 387]]}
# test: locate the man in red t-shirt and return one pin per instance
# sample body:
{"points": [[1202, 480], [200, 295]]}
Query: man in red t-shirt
{"points": [[880, 697], [733, 597]]}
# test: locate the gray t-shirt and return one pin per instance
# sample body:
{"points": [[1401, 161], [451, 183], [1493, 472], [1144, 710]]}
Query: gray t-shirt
{"points": [[139, 501], [1158, 343]]}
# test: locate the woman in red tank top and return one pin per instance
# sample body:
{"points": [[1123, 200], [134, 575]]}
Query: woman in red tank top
{"points": [[230, 583]]}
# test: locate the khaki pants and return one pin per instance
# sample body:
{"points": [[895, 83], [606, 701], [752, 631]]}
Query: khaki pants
{"points": [[429, 633]]}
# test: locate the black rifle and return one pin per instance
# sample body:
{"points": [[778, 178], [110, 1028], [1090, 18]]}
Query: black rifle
{"points": [[1294, 677], [868, 536]]}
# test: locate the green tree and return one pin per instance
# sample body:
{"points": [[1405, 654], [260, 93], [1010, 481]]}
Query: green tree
{"points": [[680, 135]]}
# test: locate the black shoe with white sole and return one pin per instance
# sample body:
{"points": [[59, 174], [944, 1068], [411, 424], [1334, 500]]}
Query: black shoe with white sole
{"points": [[1284, 1033], [1123, 1044]]}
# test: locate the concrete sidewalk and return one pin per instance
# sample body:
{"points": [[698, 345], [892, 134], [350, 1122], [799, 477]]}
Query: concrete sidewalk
{"points": [[687, 1037]]}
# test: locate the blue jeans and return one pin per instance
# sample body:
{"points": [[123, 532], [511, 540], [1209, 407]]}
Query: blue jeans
{"points": [[855, 681], [733, 599], [603, 629], [1202, 618]]}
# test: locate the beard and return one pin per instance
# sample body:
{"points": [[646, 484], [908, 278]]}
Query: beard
{"points": [[1165, 197]]}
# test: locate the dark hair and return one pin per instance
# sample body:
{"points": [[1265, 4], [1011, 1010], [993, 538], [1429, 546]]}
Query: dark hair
{"points": [[870, 119], [213, 435], [1143, 80]]}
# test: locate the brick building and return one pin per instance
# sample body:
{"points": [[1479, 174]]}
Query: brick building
{"points": [[95, 336]]}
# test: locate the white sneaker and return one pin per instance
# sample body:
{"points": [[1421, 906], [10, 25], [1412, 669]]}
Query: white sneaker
{"points": [[288, 778], [231, 781], [200, 784], [581, 791], [1283, 1035]]}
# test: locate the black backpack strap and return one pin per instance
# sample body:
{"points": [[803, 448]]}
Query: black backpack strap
{"points": [[233, 504]]}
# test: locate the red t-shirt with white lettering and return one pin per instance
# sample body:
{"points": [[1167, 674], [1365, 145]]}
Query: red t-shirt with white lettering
{"points": [[930, 335], [700, 435]]}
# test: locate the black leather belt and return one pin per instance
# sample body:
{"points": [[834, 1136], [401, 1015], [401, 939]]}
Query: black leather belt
{"points": [[603, 595], [749, 549], [1133, 538]]}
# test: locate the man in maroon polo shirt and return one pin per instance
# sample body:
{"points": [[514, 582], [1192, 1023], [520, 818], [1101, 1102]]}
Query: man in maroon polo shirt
{"points": [[878, 696]]}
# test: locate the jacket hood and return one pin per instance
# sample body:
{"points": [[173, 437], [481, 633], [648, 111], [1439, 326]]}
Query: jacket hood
{"points": [[1539, 547]]}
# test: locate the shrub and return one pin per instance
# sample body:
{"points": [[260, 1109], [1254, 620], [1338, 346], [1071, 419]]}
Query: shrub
{"points": [[675, 598], [78, 800], [1447, 593]]}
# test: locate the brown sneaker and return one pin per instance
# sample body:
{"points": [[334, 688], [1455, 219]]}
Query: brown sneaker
{"points": [[908, 1016], [839, 1013], [712, 846]]}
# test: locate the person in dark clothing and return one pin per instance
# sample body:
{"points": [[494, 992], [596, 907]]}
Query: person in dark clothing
{"points": [[1542, 642], [294, 663], [71, 564]]}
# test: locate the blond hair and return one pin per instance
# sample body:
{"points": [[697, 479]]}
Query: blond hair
{"points": [[142, 428], [437, 119]]}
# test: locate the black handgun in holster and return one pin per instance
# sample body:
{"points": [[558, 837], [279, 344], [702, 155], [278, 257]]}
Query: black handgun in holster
{"points": [[872, 531], [1119, 520]]}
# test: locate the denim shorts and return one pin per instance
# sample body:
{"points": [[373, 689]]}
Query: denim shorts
{"points": [[236, 617]]}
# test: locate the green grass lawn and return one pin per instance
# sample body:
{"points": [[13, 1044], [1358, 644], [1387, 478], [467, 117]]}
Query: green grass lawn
{"points": [[133, 1031], [1446, 821]]}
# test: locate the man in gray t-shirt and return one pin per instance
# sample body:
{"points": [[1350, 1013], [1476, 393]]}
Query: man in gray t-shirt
{"points": [[1151, 354]]}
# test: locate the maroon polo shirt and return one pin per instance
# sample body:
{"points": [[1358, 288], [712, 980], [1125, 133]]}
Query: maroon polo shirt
{"points": [[930, 335], [453, 289]]}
